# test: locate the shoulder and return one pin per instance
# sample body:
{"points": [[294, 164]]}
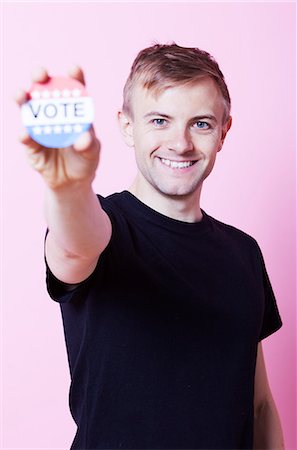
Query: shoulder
{"points": [[118, 202], [116, 206], [230, 230], [120, 209], [111, 200], [234, 235]]}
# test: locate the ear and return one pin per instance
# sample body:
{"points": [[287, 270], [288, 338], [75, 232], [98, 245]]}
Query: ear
{"points": [[226, 127], [126, 128]]}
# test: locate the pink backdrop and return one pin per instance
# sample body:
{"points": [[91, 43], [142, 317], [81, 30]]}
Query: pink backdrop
{"points": [[252, 186]]}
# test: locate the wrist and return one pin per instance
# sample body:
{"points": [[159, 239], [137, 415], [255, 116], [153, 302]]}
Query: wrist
{"points": [[74, 187], [69, 196]]}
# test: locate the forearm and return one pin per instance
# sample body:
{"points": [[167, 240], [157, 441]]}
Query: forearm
{"points": [[79, 230], [267, 428]]}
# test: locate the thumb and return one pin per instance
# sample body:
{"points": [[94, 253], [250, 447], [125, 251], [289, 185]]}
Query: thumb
{"points": [[84, 142]]}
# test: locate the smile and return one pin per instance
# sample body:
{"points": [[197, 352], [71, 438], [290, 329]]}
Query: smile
{"points": [[177, 164]]}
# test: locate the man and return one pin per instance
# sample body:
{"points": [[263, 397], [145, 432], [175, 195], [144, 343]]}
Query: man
{"points": [[163, 306]]}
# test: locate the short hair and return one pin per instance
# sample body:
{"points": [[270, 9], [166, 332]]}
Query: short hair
{"points": [[161, 66]]}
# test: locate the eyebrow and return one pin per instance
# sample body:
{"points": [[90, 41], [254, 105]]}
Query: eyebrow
{"points": [[156, 113], [195, 118], [205, 116]]}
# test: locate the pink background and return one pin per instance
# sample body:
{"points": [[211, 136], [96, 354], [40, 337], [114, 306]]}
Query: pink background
{"points": [[252, 186]]}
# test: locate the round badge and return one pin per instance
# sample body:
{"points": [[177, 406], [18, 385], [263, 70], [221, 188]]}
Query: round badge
{"points": [[57, 112]]}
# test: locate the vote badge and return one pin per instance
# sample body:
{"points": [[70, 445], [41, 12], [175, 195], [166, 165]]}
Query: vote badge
{"points": [[57, 112]]}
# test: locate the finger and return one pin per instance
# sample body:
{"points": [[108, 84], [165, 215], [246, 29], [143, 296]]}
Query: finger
{"points": [[26, 139], [84, 142], [92, 130], [21, 97], [87, 142], [77, 73], [40, 75]]}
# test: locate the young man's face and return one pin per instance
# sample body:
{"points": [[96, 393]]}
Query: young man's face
{"points": [[176, 136]]}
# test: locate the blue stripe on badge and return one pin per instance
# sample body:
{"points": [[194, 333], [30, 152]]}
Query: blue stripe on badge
{"points": [[57, 136]]}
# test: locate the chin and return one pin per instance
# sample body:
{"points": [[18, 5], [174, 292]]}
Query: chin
{"points": [[178, 191]]}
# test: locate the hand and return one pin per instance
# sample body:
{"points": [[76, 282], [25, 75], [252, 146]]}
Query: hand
{"points": [[62, 167]]}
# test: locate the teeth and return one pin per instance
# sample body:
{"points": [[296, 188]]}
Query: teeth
{"points": [[177, 165]]}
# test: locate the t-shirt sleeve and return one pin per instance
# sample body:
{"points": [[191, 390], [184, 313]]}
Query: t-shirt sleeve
{"points": [[271, 318], [63, 292]]}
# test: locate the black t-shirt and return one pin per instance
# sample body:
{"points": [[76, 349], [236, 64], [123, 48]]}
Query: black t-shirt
{"points": [[162, 337]]}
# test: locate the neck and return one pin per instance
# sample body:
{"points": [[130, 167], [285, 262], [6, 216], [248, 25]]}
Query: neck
{"points": [[180, 207]]}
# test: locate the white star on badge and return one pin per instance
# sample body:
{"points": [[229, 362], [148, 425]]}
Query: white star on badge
{"points": [[57, 129], [77, 128], [45, 94], [47, 130], [35, 94], [67, 129], [76, 92], [56, 93], [66, 93], [37, 130]]}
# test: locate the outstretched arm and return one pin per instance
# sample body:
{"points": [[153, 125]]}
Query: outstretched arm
{"points": [[79, 229]]}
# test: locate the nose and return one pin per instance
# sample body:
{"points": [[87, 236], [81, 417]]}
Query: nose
{"points": [[180, 141]]}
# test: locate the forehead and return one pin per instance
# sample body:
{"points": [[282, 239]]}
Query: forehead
{"points": [[200, 97]]}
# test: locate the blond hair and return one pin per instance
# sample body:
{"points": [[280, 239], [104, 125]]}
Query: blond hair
{"points": [[161, 66]]}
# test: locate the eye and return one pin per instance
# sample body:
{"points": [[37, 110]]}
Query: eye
{"points": [[202, 125], [159, 122]]}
